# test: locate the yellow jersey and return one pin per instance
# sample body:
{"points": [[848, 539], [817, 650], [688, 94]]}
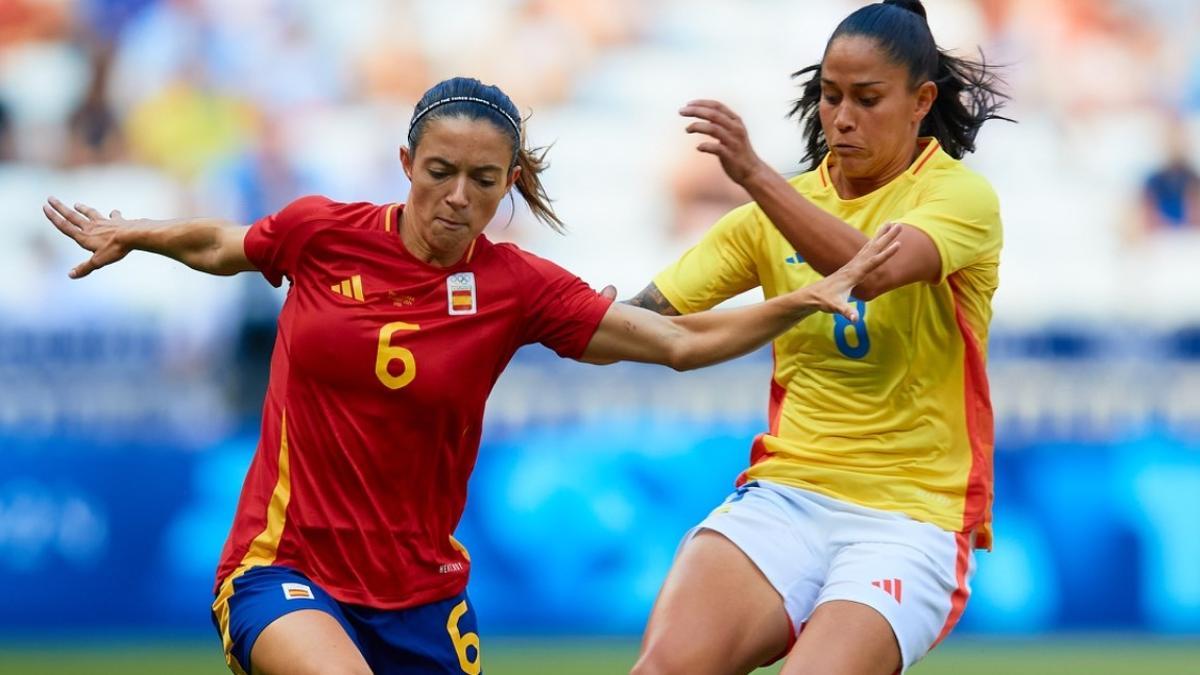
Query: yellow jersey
{"points": [[891, 412]]}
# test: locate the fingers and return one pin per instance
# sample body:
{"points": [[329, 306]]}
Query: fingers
{"points": [[609, 292], [71, 215], [115, 215], [886, 235], [100, 259], [711, 110], [85, 268], [848, 311], [716, 114], [88, 211], [62, 224]]}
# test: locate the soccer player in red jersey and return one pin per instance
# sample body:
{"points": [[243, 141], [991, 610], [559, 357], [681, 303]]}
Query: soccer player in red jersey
{"points": [[398, 321]]}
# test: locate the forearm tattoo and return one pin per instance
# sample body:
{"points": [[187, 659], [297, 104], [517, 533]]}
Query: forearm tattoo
{"points": [[652, 299]]}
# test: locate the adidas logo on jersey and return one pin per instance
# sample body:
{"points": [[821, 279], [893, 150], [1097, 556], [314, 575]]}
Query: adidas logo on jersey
{"points": [[351, 288]]}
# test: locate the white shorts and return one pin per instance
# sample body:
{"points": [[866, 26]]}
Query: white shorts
{"points": [[814, 549]]}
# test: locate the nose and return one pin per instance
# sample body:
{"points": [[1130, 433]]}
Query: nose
{"points": [[843, 119], [457, 197]]}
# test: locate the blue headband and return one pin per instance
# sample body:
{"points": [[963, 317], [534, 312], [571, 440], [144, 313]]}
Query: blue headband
{"points": [[460, 99]]}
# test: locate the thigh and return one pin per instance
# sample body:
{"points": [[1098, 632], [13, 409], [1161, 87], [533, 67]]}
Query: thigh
{"points": [[275, 620], [843, 637], [309, 641], [716, 613], [438, 638]]}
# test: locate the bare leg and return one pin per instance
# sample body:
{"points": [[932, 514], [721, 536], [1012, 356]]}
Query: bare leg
{"points": [[844, 638], [716, 614], [306, 642]]}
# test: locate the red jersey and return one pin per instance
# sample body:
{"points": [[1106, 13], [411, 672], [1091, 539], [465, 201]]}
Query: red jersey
{"points": [[381, 368]]}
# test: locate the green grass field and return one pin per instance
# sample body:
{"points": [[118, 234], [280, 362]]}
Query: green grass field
{"points": [[1097, 656]]}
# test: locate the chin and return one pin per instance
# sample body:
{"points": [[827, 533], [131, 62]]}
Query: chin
{"points": [[855, 168]]}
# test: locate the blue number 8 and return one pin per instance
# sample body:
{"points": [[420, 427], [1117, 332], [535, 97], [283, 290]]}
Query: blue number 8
{"points": [[862, 339]]}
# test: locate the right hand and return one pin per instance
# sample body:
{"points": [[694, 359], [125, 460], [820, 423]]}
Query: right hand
{"points": [[92, 231], [728, 138], [832, 294]]}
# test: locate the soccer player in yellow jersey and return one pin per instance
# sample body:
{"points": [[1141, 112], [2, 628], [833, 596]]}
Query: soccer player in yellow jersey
{"points": [[848, 545]]}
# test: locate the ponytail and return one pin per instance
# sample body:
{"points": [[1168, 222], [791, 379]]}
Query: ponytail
{"points": [[529, 183]]}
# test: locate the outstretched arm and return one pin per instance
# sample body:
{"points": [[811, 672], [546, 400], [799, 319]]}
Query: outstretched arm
{"points": [[205, 244], [628, 333], [825, 241]]}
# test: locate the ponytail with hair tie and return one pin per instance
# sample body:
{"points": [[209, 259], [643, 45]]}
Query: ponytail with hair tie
{"points": [[914, 6]]}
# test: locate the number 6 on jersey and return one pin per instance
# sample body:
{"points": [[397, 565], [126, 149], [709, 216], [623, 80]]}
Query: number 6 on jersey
{"points": [[388, 353]]}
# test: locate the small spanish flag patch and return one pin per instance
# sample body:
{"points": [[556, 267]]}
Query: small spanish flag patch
{"points": [[294, 591], [460, 293]]}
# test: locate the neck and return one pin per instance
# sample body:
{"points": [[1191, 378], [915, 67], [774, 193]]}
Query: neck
{"points": [[852, 188], [425, 250]]}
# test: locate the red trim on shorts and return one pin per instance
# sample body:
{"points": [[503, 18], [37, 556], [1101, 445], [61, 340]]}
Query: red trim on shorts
{"points": [[958, 599], [977, 401], [758, 450], [793, 636]]}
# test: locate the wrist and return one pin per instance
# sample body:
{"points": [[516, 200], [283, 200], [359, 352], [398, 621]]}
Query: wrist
{"points": [[801, 302], [758, 177], [135, 236]]}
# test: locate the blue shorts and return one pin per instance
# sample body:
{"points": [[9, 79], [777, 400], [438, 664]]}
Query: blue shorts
{"points": [[438, 638]]}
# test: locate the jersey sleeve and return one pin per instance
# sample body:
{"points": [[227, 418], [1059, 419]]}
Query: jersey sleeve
{"points": [[961, 214], [561, 311], [721, 266], [274, 243]]}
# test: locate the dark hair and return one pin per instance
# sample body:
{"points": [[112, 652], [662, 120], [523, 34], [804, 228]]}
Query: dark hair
{"points": [[472, 99], [968, 91]]}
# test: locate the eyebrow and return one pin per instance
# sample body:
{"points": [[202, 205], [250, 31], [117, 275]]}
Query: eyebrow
{"points": [[856, 84], [452, 165]]}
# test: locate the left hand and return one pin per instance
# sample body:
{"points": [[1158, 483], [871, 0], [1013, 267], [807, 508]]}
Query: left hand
{"points": [[832, 294], [730, 140]]}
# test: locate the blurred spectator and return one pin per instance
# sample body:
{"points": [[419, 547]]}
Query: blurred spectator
{"points": [[8, 152], [264, 178], [29, 20], [190, 126], [93, 128], [700, 194], [1171, 194]]}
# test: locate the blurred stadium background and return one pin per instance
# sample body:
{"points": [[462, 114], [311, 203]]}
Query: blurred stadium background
{"points": [[129, 401]]}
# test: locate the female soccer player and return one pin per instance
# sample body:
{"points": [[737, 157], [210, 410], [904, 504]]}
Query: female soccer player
{"points": [[398, 320], [848, 543]]}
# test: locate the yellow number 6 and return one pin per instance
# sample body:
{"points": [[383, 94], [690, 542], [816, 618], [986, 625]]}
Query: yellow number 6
{"points": [[462, 642], [387, 353]]}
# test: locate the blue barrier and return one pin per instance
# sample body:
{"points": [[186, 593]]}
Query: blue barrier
{"points": [[572, 527]]}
